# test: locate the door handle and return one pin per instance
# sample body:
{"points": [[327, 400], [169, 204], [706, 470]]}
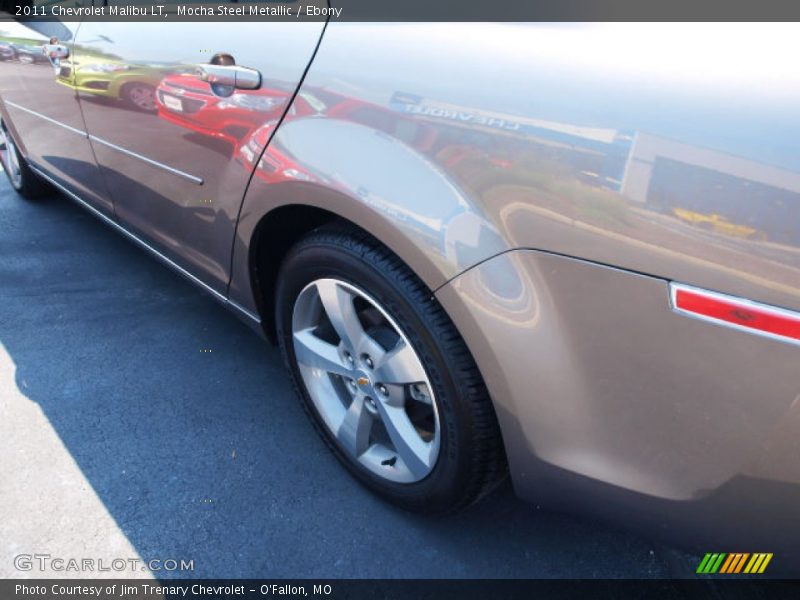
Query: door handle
{"points": [[55, 51], [225, 78]]}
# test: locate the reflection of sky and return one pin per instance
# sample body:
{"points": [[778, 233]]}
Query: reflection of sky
{"points": [[14, 29], [180, 42], [382, 175], [730, 87], [707, 85], [253, 44]]}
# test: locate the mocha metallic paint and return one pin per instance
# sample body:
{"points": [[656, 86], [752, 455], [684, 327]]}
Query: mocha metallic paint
{"points": [[593, 374], [47, 116], [539, 143], [485, 156], [194, 223]]}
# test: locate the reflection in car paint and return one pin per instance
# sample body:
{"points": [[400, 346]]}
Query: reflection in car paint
{"points": [[190, 102], [568, 153]]}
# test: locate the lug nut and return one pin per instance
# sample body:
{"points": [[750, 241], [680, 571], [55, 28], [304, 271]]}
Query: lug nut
{"points": [[348, 357], [382, 389], [368, 362]]}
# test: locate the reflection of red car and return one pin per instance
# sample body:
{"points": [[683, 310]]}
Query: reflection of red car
{"points": [[273, 166], [189, 102]]}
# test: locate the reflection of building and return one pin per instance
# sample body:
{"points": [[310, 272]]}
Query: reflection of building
{"points": [[728, 194], [599, 154], [664, 173]]}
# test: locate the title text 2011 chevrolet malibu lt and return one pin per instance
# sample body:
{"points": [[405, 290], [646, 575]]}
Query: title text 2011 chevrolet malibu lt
{"points": [[569, 253]]}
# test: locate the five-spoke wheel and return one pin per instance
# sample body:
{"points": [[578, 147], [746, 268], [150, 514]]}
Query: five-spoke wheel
{"points": [[384, 374], [20, 175], [366, 380], [10, 158]]}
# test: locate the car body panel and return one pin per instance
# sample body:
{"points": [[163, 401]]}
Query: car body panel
{"points": [[49, 116], [546, 182], [594, 374], [106, 76], [231, 119], [540, 151], [178, 189], [549, 146], [607, 403]]}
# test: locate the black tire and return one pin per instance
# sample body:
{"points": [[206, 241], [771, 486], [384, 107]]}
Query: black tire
{"points": [[471, 460], [139, 96], [27, 184]]}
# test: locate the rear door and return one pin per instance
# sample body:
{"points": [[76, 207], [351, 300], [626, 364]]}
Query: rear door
{"points": [[41, 104], [169, 128]]}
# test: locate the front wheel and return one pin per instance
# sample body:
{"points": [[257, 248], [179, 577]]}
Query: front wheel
{"points": [[26, 183], [140, 96], [384, 375]]}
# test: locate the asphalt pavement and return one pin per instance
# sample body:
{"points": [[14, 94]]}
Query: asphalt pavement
{"points": [[142, 420]]}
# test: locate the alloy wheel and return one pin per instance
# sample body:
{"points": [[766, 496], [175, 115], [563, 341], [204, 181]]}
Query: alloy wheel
{"points": [[366, 381], [9, 156], [142, 97]]}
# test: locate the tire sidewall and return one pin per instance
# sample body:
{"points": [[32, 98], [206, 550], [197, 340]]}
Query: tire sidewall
{"points": [[24, 172], [127, 90], [309, 263]]}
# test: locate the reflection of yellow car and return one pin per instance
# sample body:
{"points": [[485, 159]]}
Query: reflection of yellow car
{"points": [[718, 224], [134, 84]]}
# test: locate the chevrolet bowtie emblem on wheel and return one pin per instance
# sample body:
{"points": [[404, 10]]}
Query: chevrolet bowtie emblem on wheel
{"points": [[363, 381]]}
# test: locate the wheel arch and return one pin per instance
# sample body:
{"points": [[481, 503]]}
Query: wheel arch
{"points": [[274, 235], [374, 182], [5, 117], [263, 240]]}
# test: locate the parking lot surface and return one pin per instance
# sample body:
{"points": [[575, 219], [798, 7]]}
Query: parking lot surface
{"points": [[142, 420]]}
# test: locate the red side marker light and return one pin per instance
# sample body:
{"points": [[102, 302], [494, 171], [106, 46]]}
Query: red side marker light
{"points": [[754, 317]]}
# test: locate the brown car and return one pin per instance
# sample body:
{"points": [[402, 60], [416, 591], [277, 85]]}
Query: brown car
{"points": [[472, 255]]}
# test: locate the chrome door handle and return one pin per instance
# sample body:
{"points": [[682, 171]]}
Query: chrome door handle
{"points": [[55, 51], [230, 76]]}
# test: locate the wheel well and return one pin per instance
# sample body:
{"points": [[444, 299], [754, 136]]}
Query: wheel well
{"points": [[274, 235]]}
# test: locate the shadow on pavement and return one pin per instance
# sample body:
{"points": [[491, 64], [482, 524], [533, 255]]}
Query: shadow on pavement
{"points": [[207, 455]]}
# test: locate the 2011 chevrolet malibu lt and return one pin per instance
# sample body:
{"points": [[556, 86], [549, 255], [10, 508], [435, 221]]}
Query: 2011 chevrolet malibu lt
{"points": [[568, 253]]}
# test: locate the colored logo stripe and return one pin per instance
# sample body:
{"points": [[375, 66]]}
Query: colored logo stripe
{"points": [[758, 563], [710, 563], [727, 564], [733, 563]]}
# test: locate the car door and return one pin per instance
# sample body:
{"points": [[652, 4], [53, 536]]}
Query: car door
{"points": [[169, 109], [41, 106]]}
